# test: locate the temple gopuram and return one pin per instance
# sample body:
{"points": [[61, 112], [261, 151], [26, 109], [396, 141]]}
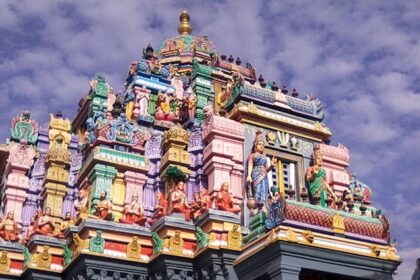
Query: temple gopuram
{"points": [[198, 169]]}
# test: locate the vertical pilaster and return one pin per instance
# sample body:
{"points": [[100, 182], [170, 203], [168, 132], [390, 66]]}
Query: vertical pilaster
{"points": [[101, 177], [118, 193]]}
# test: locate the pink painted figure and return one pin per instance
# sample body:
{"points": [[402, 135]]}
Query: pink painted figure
{"points": [[224, 200], [9, 228], [133, 212]]}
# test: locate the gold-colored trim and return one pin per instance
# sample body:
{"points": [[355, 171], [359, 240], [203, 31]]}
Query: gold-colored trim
{"points": [[249, 121]]}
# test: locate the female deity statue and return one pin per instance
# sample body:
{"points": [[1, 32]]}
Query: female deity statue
{"points": [[258, 168], [317, 180]]}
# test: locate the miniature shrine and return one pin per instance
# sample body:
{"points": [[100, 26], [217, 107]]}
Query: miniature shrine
{"points": [[198, 169]]}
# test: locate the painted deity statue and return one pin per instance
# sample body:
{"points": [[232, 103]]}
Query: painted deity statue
{"points": [[9, 228], [103, 208], [142, 97], [317, 180], [163, 108], [30, 230], [276, 211], [224, 200], [66, 223], [129, 101], [178, 200], [191, 104], [133, 212], [258, 168], [160, 208], [44, 224], [198, 206], [204, 194], [81, 206]]}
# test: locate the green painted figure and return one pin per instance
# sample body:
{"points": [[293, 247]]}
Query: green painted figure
{"points": [[317, 180]]}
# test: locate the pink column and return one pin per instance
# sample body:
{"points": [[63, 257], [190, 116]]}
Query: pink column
{"points": [[223, 156], [17, 183], [134, 181], [335, 162]]}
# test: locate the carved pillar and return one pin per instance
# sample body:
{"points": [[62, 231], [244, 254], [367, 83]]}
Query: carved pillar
{"points": [[17, 183], [223, 156], [134, 182], [175, 141], [101, 177], [335, 162], [118, 193], [195, 148], [57, 165], [153, 153]]}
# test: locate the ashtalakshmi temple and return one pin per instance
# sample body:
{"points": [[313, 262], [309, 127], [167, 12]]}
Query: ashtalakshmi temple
{"points": [[198, 169]]}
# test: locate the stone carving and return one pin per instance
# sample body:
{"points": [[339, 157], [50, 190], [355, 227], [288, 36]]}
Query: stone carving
{"points": [[44, 258], [224, 200], [67, 254], [103, 207], [202, 238], [97, 243], [316, 178], [176, 243], [24, 129], [9, 228], [133, 248], [4, 261], [133, 212], [157, 243], [258, 169], [235, 237]]}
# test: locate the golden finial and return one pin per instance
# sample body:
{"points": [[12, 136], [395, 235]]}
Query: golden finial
{"points": [[184, 27]]}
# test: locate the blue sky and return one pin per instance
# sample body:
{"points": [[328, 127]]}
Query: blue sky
{"points": [[361, 58]]}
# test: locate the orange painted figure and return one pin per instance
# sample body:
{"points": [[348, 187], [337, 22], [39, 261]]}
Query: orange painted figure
{"points": [[198, 207], [44, 224], [178, 201], [103, 208], [9, 228], [224, 200], [133, 212], [160, 208]]}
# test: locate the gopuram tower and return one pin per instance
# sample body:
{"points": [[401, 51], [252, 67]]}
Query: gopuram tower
{"points": [[199, 169]]}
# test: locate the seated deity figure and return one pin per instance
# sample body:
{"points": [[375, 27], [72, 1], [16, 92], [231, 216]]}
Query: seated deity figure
{"points": [[160, 208], [224, 200], [44, 224], [178, 201], [204, 194], [65, 224], [81, 206], [317, 180], [133, 212], [30, 230], [9, 228], [103, 208], [198, 206]]}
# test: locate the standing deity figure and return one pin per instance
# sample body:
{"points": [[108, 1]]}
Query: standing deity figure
{"points": [[160, 208], [133, 212], [258, 167], [44, 224], [142, 97], [225, 201], [191, 104], [103, 208], [317, 180], [129, 99], [9, 228], [178, 201]]}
